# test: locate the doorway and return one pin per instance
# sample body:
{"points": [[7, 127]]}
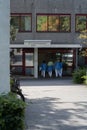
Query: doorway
{"points": [[66, 56]]}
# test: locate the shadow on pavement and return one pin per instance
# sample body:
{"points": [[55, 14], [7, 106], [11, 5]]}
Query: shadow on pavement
{"points": [[52, 114]]}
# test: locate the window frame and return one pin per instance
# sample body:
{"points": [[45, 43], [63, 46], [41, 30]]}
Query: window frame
{"points": [[40, 14], [21, 15]]}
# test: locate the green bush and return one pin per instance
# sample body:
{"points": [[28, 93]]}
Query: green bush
{"points": [[77, 75], [85, 79], [12, 111], [11, 83]]}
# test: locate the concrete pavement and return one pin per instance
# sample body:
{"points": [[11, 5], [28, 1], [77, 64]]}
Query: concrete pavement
{"points": [[55, 104]]}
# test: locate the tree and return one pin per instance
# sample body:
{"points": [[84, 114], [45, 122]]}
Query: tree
{"points": [[83, 37], [13, 30], [13, 33]]}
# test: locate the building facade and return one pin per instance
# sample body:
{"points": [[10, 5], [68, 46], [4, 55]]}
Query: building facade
{"points": [[47, 30]]}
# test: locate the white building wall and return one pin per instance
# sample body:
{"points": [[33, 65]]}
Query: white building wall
{"points": [[4, 45]]}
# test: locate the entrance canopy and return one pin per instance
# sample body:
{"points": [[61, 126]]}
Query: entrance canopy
{"points": [[43, 44]]}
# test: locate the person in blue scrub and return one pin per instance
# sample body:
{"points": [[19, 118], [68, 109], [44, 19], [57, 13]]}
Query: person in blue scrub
{"points": [[50, 68], [43, 68], [58, 68]]}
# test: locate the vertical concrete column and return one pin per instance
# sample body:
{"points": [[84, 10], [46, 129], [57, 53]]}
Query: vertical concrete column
{"points": [[4, 45], [35, 62]]}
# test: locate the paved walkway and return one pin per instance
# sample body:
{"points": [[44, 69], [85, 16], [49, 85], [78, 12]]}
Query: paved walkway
{"points": [[55, 104]]}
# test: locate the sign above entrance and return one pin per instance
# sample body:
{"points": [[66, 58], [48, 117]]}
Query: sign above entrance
{"points": [[37, 43]]}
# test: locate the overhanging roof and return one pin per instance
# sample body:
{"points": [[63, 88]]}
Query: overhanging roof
{"points": [[43, 44]]}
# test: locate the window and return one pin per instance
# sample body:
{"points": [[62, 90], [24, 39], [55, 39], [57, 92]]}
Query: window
{"points": [[16, 57], [65, 23], [25, 23], [16, 61], [53, 23], [81, 23], [21, 21], [42, 23]]}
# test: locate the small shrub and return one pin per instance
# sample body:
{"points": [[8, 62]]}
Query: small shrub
{"points": [[77, 75], [11, 83], [12, 112], [85, 79]]}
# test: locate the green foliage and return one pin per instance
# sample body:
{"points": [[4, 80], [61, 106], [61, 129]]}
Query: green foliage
{"points": [[65, 23], [12, 112], [85, 79], [80, 23], [11, 81], [77, 75], [53, 23], [13, 32], [41, 23], [13, 28]]}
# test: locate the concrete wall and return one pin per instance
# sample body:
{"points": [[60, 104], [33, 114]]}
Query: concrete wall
{"points": [[49, 6], [4, 45]]}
